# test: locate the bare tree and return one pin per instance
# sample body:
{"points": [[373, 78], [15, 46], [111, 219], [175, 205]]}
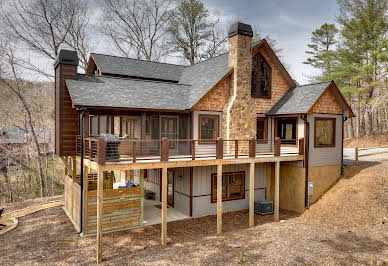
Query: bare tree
{"points": [[42, 26], [137, 26], [10, 80]]}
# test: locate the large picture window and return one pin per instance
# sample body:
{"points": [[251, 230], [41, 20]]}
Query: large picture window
{"points": [[208, 129], [233, 186], [261, 77], [286, 129], [324, 132]]}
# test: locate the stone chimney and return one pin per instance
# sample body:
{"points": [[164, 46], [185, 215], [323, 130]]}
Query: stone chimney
{"points": [[239, 114], [66, 117]]}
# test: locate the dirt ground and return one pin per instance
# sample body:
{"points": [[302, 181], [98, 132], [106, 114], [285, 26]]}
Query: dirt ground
{"points": [[347, 226], [367, 141]]}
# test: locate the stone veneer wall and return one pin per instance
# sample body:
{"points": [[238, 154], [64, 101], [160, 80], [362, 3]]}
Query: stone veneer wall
{"points": [[278, 89], [239, 114], [327, 104]]}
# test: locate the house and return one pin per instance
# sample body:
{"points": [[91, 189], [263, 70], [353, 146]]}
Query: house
{"points": [[212, 137]]}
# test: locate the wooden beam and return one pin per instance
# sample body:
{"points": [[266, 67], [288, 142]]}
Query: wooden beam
{"points": [[252, 194], [164, 206], [188, 163], [100, 199], [85, 202], [277, 177], [219, 198]]}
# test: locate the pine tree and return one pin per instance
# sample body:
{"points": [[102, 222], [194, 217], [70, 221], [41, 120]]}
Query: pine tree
{"points": [[361, 71], [323, 55], [194, 35]]}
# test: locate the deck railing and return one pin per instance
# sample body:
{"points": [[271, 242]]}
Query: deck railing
{"points": [[101, 150]]}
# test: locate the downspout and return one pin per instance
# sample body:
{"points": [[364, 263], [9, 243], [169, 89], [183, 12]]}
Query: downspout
{"points": [[306, 160], [82, 170]]}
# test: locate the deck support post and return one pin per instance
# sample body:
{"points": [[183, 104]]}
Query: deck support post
{"points": [[219, 198], [252, 194], [277, 176], [142, 197], [85, 201], [100, 192], [164, 205]]}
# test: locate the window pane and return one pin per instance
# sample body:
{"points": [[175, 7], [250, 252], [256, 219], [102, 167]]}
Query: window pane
{"points": [[324, 134], [224, 187], [93, 125], [235, 185], [287, 130], [103, 124], [261, 77], [208, 128]]}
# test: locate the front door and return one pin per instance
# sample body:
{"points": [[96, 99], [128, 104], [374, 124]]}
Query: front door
{"points": [[170, 188], [169, 129]]}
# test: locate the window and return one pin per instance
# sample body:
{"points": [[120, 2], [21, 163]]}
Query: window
{"points": [[261, 77], [93, 125], [128, 127], [233, 186], [262, 128], [324, 129], [208, 129], [286, 129], [131, 123]]}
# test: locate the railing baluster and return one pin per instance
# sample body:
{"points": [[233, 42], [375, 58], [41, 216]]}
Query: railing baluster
{"points": [[277, 146], [301, 146], [252, 148], [134, 152], [236, 149], [101, 151], [219, 149], [164, 150], [192, 149]]}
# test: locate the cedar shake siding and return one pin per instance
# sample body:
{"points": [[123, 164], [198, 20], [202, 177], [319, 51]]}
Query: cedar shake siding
{"points": [[216, 98], [327, 104]]}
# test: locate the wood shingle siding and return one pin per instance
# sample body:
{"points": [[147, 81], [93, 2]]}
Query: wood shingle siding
{"points": [[327, 104]]}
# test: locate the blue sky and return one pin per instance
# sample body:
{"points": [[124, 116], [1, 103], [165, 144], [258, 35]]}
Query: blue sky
{"points": [[290, 22]]}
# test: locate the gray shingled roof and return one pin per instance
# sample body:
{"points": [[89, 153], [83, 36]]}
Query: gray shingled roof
{"points": [[137, 68], [131, 93], [193, 83], [299, 100]]}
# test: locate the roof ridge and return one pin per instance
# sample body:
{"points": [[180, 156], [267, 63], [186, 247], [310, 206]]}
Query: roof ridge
{"points": [[139, 59], [314, 83], [253, 43], [143, 80]]}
